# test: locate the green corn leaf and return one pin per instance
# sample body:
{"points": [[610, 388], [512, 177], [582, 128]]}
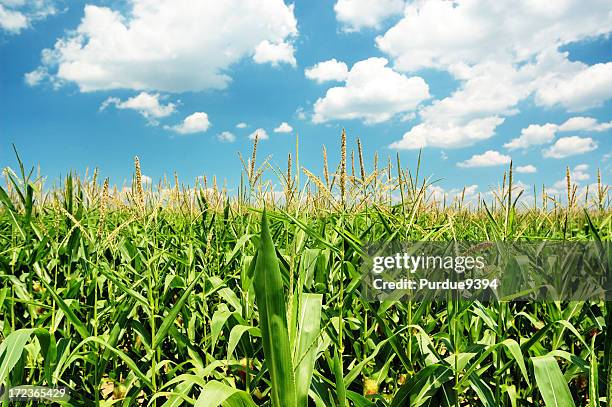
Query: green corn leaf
{"points": [[10, 351], [74, 320], [551, 383], [419, 388], [270, 298], [593, 376], [171, 317], [216, 393], [309, 328]]}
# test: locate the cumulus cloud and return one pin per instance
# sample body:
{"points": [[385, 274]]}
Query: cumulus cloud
{"points": [[147, 104], [241, 125], [440, 33], [538, 134], [226, 137], [195, 123], [169, 46], [261, 133], [532, 135], [267, 52], [358, 14], [448, 135], [36, 76], [489, 158], [568, 146], [372, 92], [12, 21], [17, 15], [526, 169], [581, 123], [487, 89], [284, 127], [584, 88], [330, 70]]}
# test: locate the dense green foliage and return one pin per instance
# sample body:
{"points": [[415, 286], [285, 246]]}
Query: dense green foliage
{"points": [[195, 300]]}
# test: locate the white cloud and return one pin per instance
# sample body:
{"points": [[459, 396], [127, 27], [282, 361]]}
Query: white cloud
{"points": [[266, 52], [581, 123], [146, 179], [167, 46], [195, 123], [372, 92], [241, 125], [12, 21], [358, 14], [487, 159], [568, 146], [440, 33], [534, 134], [36, 76], [501, 53], [584, 88], [284, 127], [448, 135], [330, 70], [226, 137], [538, 134], [147, 104], [526, 169], [263, 135], [487, 89], [488, 92], [580, 172], [16, 15]]}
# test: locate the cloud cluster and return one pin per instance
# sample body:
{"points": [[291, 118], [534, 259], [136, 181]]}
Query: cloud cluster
{"points": [[539, 134], [284, 127], [226, 137], [448, 134], [330, 70], [568, 146], [355, 15], [501, 53], [260, 133], [195, 123], [526, 169], [441, 33], [170, 46], [372, 92], [489, 158], [275, 54], [17, 15], [147, 104]]}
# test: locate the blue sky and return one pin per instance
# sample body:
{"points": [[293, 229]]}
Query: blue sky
{"points": [[91, 84]]}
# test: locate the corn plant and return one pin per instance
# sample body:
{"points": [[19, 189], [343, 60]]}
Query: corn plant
{"points": [[174, 295]]}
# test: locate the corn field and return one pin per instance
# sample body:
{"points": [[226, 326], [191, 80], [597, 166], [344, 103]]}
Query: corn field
{"points": [[170, 294]]}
